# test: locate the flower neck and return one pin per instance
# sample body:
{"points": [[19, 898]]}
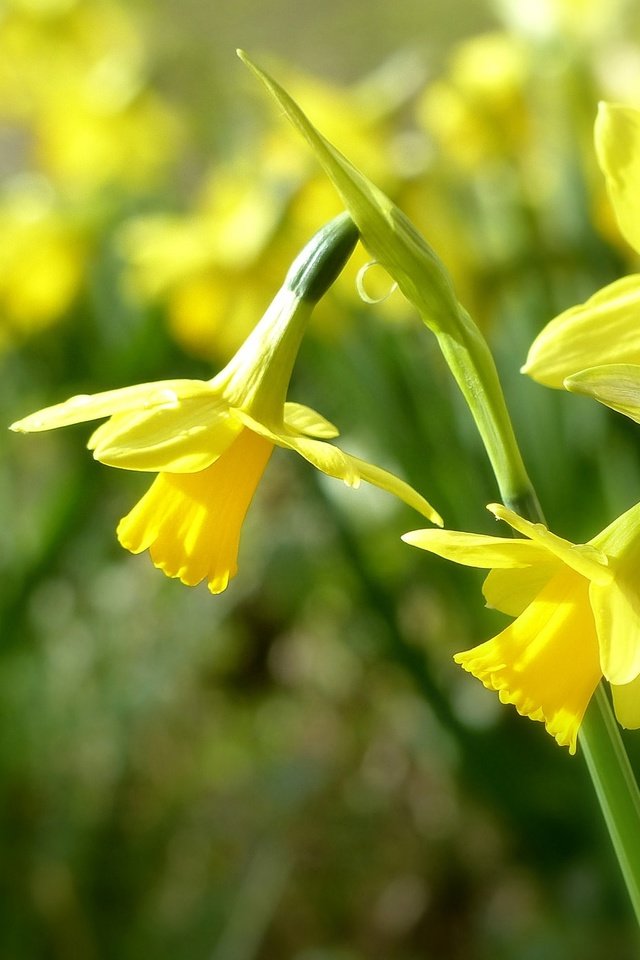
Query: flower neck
{"points": [[257, 378]]}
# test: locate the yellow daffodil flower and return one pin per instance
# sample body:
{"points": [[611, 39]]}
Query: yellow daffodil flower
{"points": [[210, 441], [577, 610], [478, 113], [594, 348]]}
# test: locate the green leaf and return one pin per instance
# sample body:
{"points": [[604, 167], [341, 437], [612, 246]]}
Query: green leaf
{"points": [[386, 231]]}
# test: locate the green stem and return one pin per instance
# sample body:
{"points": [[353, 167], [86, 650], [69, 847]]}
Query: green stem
{"points": [[615, 787], [606, 758], [470, 360]]}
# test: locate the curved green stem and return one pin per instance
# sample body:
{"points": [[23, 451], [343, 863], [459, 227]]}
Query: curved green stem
{"points": [[396, 244], [615, 787], [602, 747], [471, 363]]}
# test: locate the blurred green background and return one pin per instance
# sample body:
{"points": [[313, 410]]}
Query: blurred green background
{"points": [[294, 769]]}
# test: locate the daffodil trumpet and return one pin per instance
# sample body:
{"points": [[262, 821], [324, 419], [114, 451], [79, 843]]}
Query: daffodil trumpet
{"points": [[210, 441]]}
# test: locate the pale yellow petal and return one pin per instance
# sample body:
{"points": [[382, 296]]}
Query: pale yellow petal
{"points": [[617, 385], [546, 662], [585, 559], [181, 439], [621, 539], [511, 591], [616, 610], [392, 484], [626, 703], [617, 607], [343, 466], [604, 329], [476, 550], [617, 139], [304, 420], [162, 394], [325, 457], [351, 470], [191, 523]]}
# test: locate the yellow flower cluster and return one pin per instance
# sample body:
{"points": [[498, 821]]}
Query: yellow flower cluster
{"points": [[79, 120]]}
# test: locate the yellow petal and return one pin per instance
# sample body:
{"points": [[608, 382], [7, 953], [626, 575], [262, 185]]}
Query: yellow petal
{"points": [[303, 419], [617, 607], [626, 703], [602, 330], [546, 662], [475, 550], [616, 610], [336, 463], [163, 394], [617, 139], [511, 591], [182, 439], [392, 484], [621, 539], [617, 385], [585, 559], [191, 523]]}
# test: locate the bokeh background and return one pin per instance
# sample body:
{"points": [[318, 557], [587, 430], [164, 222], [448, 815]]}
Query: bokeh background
{"points": [[294, 769]]}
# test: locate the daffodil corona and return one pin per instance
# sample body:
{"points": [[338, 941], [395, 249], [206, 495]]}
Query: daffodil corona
{"points": [[577, 610], [210, 441]]}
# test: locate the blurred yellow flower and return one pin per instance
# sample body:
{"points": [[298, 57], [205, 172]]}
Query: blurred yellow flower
{"points": [[210, 441], [84, 144], [55, 45], [577, 610], [74, 75], [215, 265], [479, 111], [81, 125], [594, 348], [577, 19], [42, 258], [479, 119]]}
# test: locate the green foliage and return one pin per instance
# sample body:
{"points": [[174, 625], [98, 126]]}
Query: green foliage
{"points": [[296, 768]]}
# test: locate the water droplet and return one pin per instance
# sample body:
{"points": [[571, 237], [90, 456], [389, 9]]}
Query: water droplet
{"points": [[360, 286], [169, 399]]}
